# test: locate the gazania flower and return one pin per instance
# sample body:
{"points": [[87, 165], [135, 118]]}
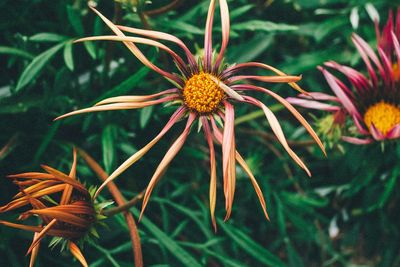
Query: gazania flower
{"points": [[69, 219], [206, 91], [373, 102]]}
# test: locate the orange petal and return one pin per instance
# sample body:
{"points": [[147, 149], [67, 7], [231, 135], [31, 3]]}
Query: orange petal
{"points": [[77, 253]]}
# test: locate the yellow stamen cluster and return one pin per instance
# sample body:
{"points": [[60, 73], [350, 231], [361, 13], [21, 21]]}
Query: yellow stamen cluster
{"points": [[383, 115], [202, 94]]}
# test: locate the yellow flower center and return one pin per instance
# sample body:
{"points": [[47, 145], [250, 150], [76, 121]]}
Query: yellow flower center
{"points": [[384, 116], [202, 94], [396, 71]]}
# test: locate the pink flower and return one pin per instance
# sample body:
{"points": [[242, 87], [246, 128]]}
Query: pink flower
{"points": [[373, 102], [206, 91]]}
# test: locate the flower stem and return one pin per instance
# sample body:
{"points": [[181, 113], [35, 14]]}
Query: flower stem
{"points": [[119, 198]]}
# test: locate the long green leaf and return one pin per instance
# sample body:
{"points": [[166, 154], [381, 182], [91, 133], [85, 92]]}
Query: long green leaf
{"points": [[173, 247], [37, 64]]}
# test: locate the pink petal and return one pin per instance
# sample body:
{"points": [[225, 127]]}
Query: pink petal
{"points": [[277, 129], [163, 36], [344, 99], [223, 6], [208, 37], [311, 104], [169, 156], [357, 141], [139, 154], [136, 50], [394, 133], [213, 170]]}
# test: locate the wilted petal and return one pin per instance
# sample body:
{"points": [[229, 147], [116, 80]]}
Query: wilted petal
{"points": [[171, 153], [268, 79], [276, 128], [77, 253], [253, 180], [134, 49], [213, 171], [135, 157], [311, 104]]}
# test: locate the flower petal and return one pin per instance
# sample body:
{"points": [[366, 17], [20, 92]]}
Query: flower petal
{"points": [[139, 55], [118, 106], [277, 129], [311, 104], [228, 72], [171, 153], [225, 25], [357, 141], [267, 79], [213, 170], [77, 253], [135, 157], [163, 36]]}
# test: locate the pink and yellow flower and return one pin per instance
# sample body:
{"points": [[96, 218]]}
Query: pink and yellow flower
{"points": [[69, 219], [373, 102], [205, 90]]}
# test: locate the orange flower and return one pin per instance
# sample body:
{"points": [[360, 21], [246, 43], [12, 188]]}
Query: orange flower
{"points": [[69, 219], [205, 90]]}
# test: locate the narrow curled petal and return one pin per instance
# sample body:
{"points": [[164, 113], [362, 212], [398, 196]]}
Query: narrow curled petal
{"points": [[118, 106], [138, 40], [268, 79], [135, 98], [39, 236], [228, 158], [135, 157], [253, 180], [77, 253], [311, 104], [208, 37], [225, 22], [277, 129], [237, 67], [243, 164], [134, 49], [292, 110], [171, 153], [213, 170], [163, 36], [35, 252]]}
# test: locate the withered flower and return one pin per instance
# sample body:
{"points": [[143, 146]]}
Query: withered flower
{"points": [[63, 205]]}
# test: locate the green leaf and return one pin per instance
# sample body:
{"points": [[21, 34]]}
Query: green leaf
{"points": [[75, 20], [171, 245], [37, 64], [145, 115], [45, 37], [250, 246], [108, 144], [15, 52], [262, 25], [68, 56]]}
